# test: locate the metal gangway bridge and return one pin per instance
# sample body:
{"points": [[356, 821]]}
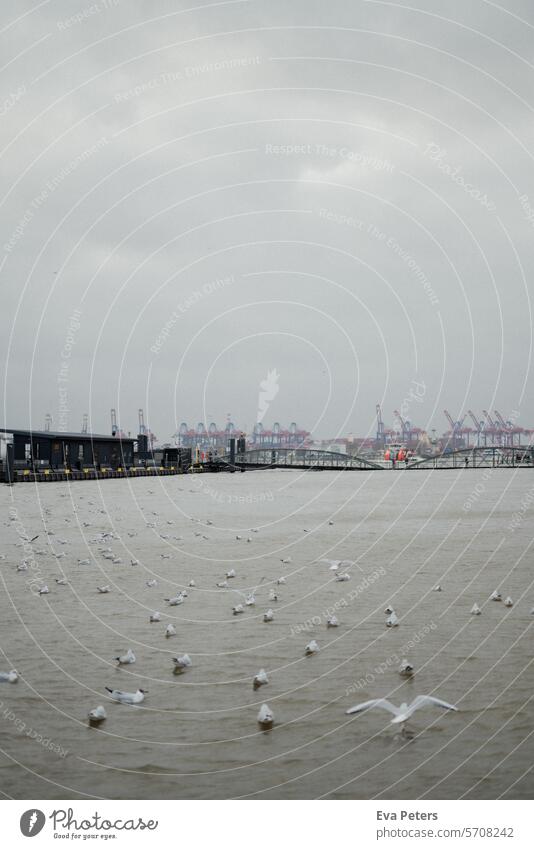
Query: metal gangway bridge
{"points": [[490, 456]]}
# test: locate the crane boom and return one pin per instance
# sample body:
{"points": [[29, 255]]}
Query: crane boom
{"points": [[142, 428], [501, 420], [475, 421], [379, 425], [450, 420], [489, 419], [399, 417]]}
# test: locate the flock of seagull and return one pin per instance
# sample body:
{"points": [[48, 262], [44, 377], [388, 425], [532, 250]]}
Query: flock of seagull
{"points": [[103, 541]]}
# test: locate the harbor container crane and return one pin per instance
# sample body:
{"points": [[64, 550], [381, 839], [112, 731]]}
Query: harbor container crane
{"points": [[455, 427], [493, 430], [115, 429], [505, 429], [479, 425], [405, 433]]}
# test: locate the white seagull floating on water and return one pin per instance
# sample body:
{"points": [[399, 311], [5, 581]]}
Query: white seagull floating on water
{"points": [[508, 602], [495, 596], [265, 717], [105, 589], [182, 663], [312, 647], [9, 677], [401, 714], [332, 622], [170, 631], [155, 617], [97, 715], [260, 679], [176, 600], [269, 616], [475, 610], [392, 621], [123, 659], [127, 698], [406, 669]]}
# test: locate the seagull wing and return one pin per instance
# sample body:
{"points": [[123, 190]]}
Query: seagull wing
{"points": [[381, 703], [424, 701]]}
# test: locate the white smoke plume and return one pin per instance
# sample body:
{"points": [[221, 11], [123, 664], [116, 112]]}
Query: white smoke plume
{"points": [[268, 391]]}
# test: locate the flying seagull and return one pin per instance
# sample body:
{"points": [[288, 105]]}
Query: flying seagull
{"points": [[403, 713], [336, 564]]}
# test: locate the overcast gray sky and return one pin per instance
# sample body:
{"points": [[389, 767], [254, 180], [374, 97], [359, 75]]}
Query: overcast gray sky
{"points": [[197, 194]]}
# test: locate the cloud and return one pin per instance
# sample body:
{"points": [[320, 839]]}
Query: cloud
{"points": [[138, 166]]}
